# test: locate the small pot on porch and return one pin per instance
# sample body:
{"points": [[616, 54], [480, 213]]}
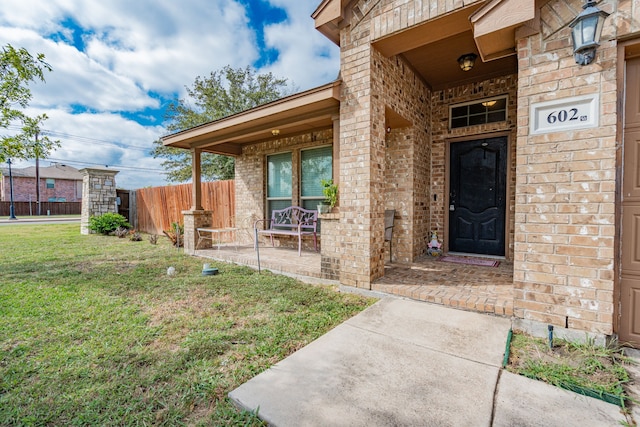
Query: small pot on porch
{"points": [[324, 208], [330, 192]]}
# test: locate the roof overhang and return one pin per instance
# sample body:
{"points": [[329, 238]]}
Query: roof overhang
{"points": [[498, 23], [292, 115], [428, 32], [495, 26], [433, 47], [328, 16], [486, 28]]}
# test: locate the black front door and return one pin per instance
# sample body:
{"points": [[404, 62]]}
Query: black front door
{"points": [[477, 196]]}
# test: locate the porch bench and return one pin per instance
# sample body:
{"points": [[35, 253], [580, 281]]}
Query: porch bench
{"points": [[292, 221]]}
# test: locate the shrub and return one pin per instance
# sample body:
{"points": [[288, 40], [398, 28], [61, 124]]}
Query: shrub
{"points": [[121, 232], [180, 227], [330, 191], [175, 234], [108, 223], [135, 236]]}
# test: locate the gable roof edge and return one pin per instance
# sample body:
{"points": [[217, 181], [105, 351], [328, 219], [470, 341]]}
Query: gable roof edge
{"points": [[495, 24], [328, 16]]}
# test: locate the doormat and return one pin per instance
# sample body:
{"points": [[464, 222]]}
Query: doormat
{"points": [[469, 261]]}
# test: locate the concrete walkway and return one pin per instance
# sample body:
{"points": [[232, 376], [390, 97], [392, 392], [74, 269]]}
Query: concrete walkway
{"points": [[38, 220], [408, 363]]}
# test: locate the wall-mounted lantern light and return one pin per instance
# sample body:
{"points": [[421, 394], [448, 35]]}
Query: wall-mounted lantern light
{"points": [[586, 29], [467, 61]]}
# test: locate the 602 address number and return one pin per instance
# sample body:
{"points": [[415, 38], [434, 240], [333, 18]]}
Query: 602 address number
{"points": [[562, 116], [578, 112]]}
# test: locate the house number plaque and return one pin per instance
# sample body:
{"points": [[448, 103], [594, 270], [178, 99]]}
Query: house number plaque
{"points": [[579, 112]]}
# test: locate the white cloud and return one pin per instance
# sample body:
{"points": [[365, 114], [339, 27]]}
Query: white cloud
{"points": [[134, 51], [131, 47], [163, 46], [306, 57], [105, 139]]}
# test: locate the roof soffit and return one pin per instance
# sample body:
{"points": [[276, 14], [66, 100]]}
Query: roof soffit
{"points": [[489, 29], [431, 31], [433, 47], [298, 113]]}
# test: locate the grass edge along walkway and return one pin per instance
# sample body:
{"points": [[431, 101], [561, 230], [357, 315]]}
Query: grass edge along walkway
{"points": [[93, 331]]}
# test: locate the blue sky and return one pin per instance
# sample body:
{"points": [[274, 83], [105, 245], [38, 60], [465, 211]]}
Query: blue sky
{"points": [[118, 63]]}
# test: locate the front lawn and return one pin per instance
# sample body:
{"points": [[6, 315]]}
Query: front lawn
{"points": [[93, 331]]}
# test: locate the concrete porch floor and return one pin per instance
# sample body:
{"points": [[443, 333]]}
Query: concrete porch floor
{"points": [[467, 287]]}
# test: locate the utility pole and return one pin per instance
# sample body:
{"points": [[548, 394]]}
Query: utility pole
{"points": [[12, 212], [37, 152]]}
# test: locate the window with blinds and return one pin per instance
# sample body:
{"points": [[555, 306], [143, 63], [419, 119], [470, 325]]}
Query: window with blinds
{"points": [[316, 164], [279, 177]]}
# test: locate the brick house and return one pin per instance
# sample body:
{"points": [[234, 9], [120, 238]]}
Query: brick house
{"points": [[526, 156], [58, 183]]}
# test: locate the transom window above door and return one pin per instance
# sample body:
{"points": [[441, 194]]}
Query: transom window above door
{"points": [[489, 110]]}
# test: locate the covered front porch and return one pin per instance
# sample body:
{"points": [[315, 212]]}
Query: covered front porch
{"points": [[467, 287]]}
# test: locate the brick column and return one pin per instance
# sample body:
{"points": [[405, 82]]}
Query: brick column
{"points": [[362, 163], [330, 250], [195, 219], [98, 195]]}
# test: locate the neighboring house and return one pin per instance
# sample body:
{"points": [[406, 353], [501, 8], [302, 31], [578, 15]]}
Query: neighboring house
{"points": [[526, 156], [58, 183]]}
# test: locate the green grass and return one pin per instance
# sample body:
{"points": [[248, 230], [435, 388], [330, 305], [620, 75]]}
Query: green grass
{"points": [[571, 365], [94, 332]]}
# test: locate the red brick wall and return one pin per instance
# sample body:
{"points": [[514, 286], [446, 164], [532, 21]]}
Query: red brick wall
{"points": [[24, 189]]}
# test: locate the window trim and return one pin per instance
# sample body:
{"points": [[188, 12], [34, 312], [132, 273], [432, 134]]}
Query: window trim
{"points": [[296, 173]]}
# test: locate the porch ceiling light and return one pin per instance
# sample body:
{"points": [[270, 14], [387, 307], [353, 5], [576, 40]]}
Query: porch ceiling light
{"points": [[275, 132], [467, 61], [586, 29]]}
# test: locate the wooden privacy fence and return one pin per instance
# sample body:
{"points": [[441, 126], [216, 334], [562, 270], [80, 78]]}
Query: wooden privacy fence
{"points": [[158, 207], [31, 208]]}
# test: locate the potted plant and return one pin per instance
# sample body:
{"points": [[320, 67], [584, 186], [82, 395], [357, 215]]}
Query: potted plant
{"points": [[330, 192]]}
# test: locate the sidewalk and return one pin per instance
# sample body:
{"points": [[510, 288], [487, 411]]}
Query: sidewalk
{"points": [[39, 219], [408, 363]]}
